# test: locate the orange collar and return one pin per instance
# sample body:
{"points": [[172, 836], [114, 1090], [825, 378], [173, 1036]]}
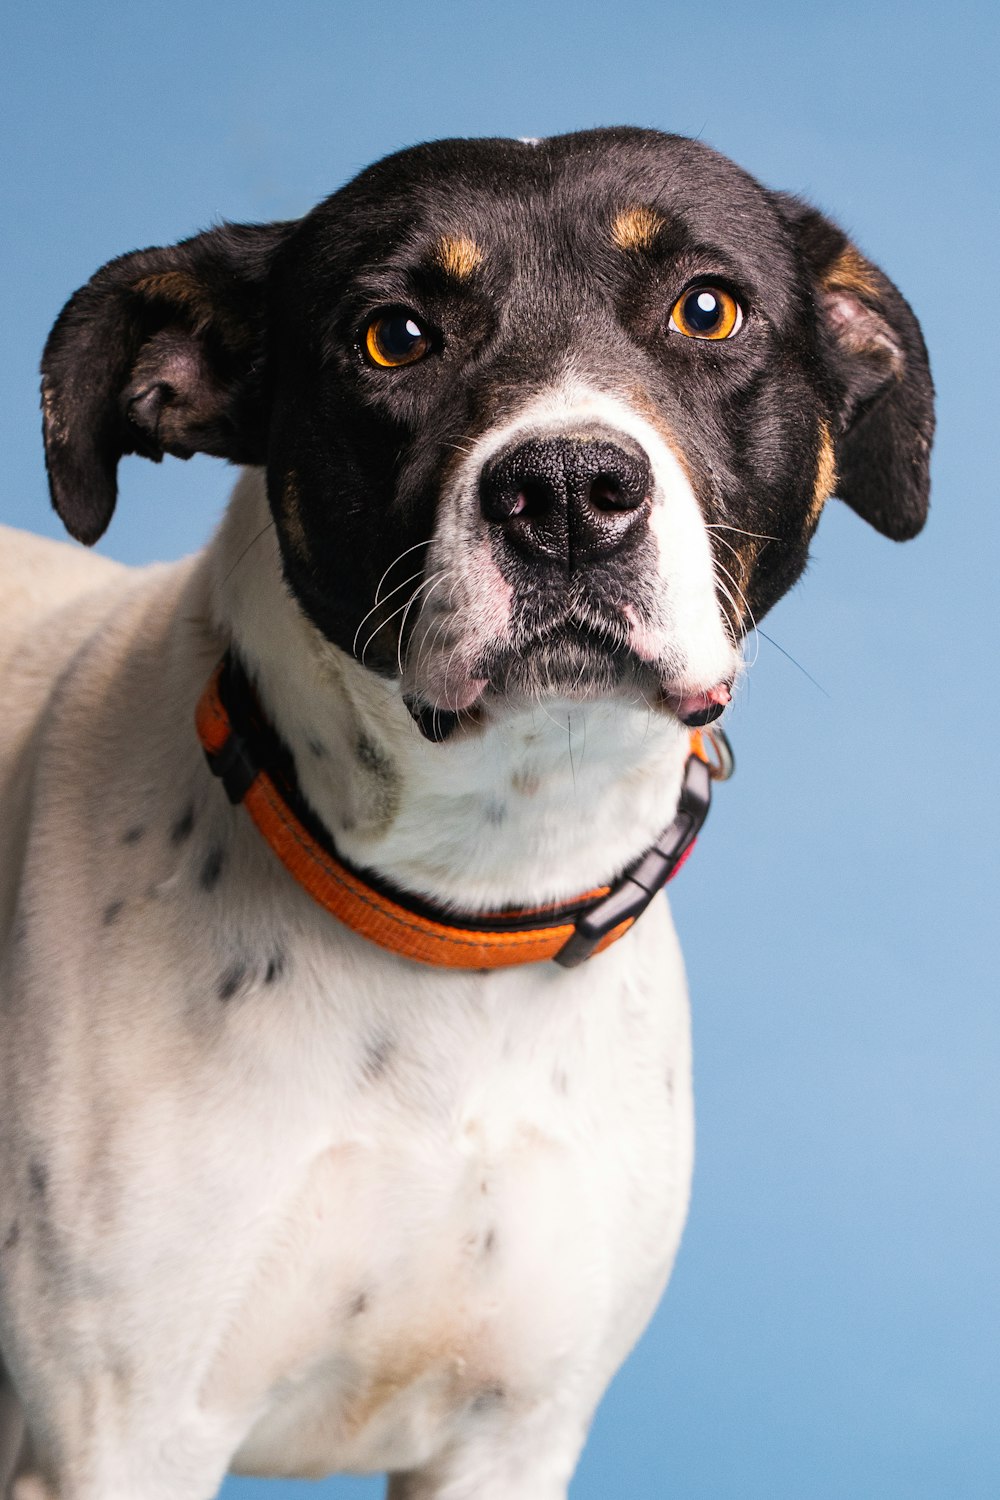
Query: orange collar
{"points": [[257, 769]]}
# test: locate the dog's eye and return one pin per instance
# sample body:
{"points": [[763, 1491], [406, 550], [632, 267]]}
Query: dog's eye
{"points": [[706, 312], [396, 338]]}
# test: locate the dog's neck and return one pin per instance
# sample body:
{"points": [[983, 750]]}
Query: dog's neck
{"points": [[532, 807]]}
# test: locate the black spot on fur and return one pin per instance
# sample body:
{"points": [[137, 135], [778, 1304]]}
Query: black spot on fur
{"points": [[231, 981], [211, 868], [489, 1243], [112, 912], [183, 827], [372, 757], [275, 966], [358, 1306], [495, 813], [382, 773], [489, 1397], [133, 835], [13, 1235], [317, 748], [376, 1059], [38, 1179]]}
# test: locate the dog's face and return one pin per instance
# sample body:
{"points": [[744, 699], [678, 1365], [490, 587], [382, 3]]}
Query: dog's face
{"points": [[553, 417]]}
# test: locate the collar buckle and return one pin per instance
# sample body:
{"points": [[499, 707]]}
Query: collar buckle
{"points": [[633, 891]]}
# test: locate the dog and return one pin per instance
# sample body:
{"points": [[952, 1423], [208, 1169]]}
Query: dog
{"points": [[347, 1118]]}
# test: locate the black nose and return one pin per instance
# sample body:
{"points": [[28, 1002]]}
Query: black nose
{"points": [[568, 500]]}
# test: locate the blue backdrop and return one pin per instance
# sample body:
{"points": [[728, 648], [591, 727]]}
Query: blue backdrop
{"points": [[832, 1326]]}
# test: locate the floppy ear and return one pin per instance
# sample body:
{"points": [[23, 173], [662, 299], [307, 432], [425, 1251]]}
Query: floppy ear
{"points": [[880, 362], [161, 352]]}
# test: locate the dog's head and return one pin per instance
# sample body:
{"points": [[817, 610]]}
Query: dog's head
{"points": [[536, 417]]}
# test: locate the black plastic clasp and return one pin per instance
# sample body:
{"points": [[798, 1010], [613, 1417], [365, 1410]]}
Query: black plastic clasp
{"points": [[633, 891], [234, 766]]}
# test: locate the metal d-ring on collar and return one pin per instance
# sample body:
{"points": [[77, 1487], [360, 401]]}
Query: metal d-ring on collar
{"points": [[724, 764]]}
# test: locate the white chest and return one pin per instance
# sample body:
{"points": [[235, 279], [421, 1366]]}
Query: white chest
{"points": [[486, 1216]]}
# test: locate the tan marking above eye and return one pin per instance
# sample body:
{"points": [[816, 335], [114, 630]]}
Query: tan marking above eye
{"points": [[458, 256], [706, 312], [636, 228]]}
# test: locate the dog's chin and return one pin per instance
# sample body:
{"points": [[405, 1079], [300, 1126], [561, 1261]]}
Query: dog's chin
{"points": [[571, 665]]}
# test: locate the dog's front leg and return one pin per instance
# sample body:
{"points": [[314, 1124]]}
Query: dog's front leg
{"points": [[30, 1484], [514, 1456], [110, 1466]]}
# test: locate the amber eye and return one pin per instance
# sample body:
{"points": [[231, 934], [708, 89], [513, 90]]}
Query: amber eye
{"points": [[396, 338], [706, 312]]}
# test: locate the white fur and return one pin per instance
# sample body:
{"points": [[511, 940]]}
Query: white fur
{"points": [[363, 1214]]}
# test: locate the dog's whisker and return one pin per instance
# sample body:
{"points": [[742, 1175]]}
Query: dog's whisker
{"points": [[421, 645], [719, 567], [377, 605], [268, 526], [722, 588], [716, 564], [397, 560], [772, 642], [429, 584], [762, 536], [452, 656], [381, 626]]}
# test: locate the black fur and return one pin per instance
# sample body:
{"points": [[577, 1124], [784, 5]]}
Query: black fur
{"points": [[246, 342]]}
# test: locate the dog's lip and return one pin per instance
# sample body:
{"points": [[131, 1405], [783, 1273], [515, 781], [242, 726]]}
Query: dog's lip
{"points": [[700, 706], [688, 700]]}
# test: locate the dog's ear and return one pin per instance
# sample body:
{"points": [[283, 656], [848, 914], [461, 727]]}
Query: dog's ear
{"points": [[161, 352], [879, 363]]}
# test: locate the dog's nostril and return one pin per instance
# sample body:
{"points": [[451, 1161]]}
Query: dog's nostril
{"points": [[625, 487], [605, 493], [532, 499]]}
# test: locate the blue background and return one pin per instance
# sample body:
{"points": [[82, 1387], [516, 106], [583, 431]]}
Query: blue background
{"points": [[832, 1327]]}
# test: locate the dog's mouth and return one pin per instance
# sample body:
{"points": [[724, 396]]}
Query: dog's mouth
{"points": [[576, 660]]}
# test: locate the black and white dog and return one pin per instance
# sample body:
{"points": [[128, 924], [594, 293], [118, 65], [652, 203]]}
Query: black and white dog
{"points": [[532, 432]]}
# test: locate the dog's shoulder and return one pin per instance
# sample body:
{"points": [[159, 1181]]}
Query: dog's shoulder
{"points": [[52, 597], [38, 575]]}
